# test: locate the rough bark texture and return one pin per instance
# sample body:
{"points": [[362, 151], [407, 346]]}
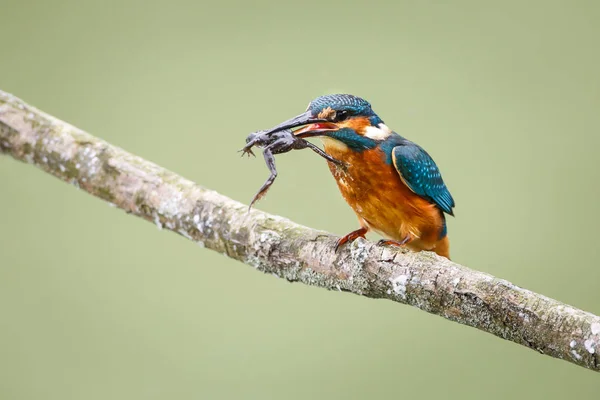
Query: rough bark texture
{"points": [[278, 246]]}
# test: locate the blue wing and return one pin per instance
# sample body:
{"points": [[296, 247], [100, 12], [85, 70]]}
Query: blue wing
{"points": [[420, 173]]}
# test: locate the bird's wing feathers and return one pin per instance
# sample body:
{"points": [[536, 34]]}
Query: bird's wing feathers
{"points": [[420, 173]]}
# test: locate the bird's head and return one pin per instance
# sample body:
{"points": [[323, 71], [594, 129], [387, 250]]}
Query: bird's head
{"points": [[342, 117]]}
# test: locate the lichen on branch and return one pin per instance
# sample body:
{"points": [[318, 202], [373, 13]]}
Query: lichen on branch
{"points": [[278, 246]]}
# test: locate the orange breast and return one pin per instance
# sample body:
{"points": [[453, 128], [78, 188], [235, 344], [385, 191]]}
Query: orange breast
{"points": [[378, 196]]}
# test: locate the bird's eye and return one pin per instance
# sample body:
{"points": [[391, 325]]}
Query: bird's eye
{"points": [[341, 115]]}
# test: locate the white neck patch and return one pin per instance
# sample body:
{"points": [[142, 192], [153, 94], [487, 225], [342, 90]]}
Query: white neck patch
{"points": [[378, 133]]}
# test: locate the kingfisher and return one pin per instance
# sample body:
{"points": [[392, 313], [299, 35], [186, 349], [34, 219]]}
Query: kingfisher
{"points": [[392, 184]]}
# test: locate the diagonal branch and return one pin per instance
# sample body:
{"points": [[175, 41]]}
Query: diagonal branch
{"points": [[299, 254]]}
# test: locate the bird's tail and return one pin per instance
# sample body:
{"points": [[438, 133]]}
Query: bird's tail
{"points": [[442, 247]]}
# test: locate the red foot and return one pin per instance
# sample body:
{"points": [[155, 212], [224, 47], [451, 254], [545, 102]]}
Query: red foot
{"points": [[351, 237], [384, 242]]}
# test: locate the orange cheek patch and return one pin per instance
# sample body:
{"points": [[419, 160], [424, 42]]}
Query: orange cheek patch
{"points": [[359, 125]]}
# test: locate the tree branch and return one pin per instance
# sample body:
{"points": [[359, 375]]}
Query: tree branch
{"points": [[299, 254]]}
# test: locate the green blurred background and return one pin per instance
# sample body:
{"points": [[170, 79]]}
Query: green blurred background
{"points": [[95, 304]]}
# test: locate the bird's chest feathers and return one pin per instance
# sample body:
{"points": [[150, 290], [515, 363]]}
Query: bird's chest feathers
{"points": [[366, 172], [373, 188]]}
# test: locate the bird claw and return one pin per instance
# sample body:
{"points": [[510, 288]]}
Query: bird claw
{"points": [[387, 242], [352, 236]]}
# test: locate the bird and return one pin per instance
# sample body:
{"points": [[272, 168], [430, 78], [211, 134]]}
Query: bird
{"points": [[392, 184]]}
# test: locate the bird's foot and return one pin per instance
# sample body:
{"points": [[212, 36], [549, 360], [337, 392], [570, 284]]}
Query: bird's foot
{"points": [[352, 236], [402, 243]]}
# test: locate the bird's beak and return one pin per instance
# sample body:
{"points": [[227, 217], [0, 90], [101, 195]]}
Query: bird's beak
{"points": [[309, 125], [316, 129]]}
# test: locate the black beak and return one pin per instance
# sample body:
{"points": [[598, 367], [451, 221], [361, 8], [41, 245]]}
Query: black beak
{"points": [[305, 119], [296, 122]]}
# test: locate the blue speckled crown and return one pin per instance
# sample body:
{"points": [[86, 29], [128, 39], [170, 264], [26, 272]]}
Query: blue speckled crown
{"points": [[341, 102]]}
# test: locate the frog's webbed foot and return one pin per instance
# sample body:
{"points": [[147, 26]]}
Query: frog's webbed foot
{"points": [[270, 160]]}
